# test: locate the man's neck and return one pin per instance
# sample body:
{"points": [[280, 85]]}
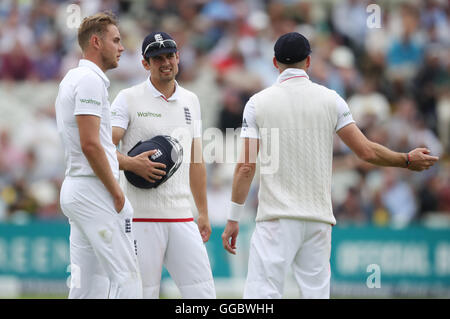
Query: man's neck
{"points": [[281, 70], [166, 88], [95, 59]]}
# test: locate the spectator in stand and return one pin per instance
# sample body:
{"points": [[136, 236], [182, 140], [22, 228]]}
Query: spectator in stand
{"points": [[232, 108], [433, 15], [351, 211], [12, 158], [443, 111], [424, 136], [428, 196], [15, 29], [350, 20], [16, 65], [434, 194], [367, 105], [405, 54], [22, 205], [444, 192], [221, 14], [400, 126], [344, 77], [47, 63], [398, 198], [429, 84]]}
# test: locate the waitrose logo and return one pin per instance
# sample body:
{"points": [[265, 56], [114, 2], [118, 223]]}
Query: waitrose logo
{"points": [[346, 114], [148, 114], [90, 101]]}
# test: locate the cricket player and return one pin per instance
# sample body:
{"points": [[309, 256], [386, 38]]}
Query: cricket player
{"points": [[165, 231], [294, 217], [102, 251]]}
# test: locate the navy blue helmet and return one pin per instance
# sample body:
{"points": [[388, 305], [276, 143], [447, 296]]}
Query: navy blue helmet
{"points": [[168, 151]]}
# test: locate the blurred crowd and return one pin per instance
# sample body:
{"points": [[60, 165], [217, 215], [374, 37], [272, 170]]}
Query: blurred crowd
{"points": [[390, 63]]}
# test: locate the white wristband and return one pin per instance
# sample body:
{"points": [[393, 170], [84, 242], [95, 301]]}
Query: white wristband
{"points": [[236, 211]]}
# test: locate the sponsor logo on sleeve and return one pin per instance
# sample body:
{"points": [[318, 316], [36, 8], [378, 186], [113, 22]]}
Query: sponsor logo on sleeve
{"points": [[90, 101]]}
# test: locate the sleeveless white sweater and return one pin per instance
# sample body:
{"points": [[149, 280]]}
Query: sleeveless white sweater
{"points": [[149, 116], [297, 181]]}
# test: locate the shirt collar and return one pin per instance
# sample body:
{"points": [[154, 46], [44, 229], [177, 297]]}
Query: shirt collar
{"points": [[156, 93], [94, 67], [290, 73]]}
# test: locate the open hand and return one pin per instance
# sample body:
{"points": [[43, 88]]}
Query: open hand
{"points": [[144, 167]]}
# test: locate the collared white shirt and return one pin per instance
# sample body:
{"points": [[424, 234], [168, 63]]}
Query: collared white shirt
{"points": [[250, 128], [143, 112], [120, 108], [156, 93], [84, 91]]}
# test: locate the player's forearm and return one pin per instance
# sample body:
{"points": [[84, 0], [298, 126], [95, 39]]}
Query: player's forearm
{"points": [[243, 177], [197, 180], [98, 161], [125, 163], [382, 156]]}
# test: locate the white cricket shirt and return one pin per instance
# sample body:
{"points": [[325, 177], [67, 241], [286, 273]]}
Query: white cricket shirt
{"points": [[144, 112], [295, 120], [84, 91]]}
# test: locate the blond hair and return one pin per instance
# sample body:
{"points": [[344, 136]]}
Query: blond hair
{"points": [[95, 24]]}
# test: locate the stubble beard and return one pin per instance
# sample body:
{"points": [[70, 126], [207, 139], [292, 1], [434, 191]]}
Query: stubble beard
{"points": [[168, 77], [109, 62]]}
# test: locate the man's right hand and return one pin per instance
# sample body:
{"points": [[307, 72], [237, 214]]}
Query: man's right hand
{"points": [[119, 201], [141, 165], [229, 236], [419, 159]]}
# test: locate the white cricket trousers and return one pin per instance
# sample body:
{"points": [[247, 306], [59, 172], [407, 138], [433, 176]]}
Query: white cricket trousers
{"points": [[102, 251], [279, 244], [179, 247]]}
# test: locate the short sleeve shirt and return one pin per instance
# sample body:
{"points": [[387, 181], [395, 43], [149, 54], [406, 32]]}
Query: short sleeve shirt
{"points": [[250, 128], [120, 108], [84, 91]]}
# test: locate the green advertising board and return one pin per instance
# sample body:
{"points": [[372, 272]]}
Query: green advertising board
{"points": [[35, 250], [364, 260], [385, 261]]}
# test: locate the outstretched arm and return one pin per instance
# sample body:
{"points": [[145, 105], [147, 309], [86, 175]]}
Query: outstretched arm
{"points": [[374, 153]]}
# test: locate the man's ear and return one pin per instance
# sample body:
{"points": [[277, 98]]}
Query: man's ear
{"points": [[308, 61], [146, 64], [275, 63], [95, 41]]}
